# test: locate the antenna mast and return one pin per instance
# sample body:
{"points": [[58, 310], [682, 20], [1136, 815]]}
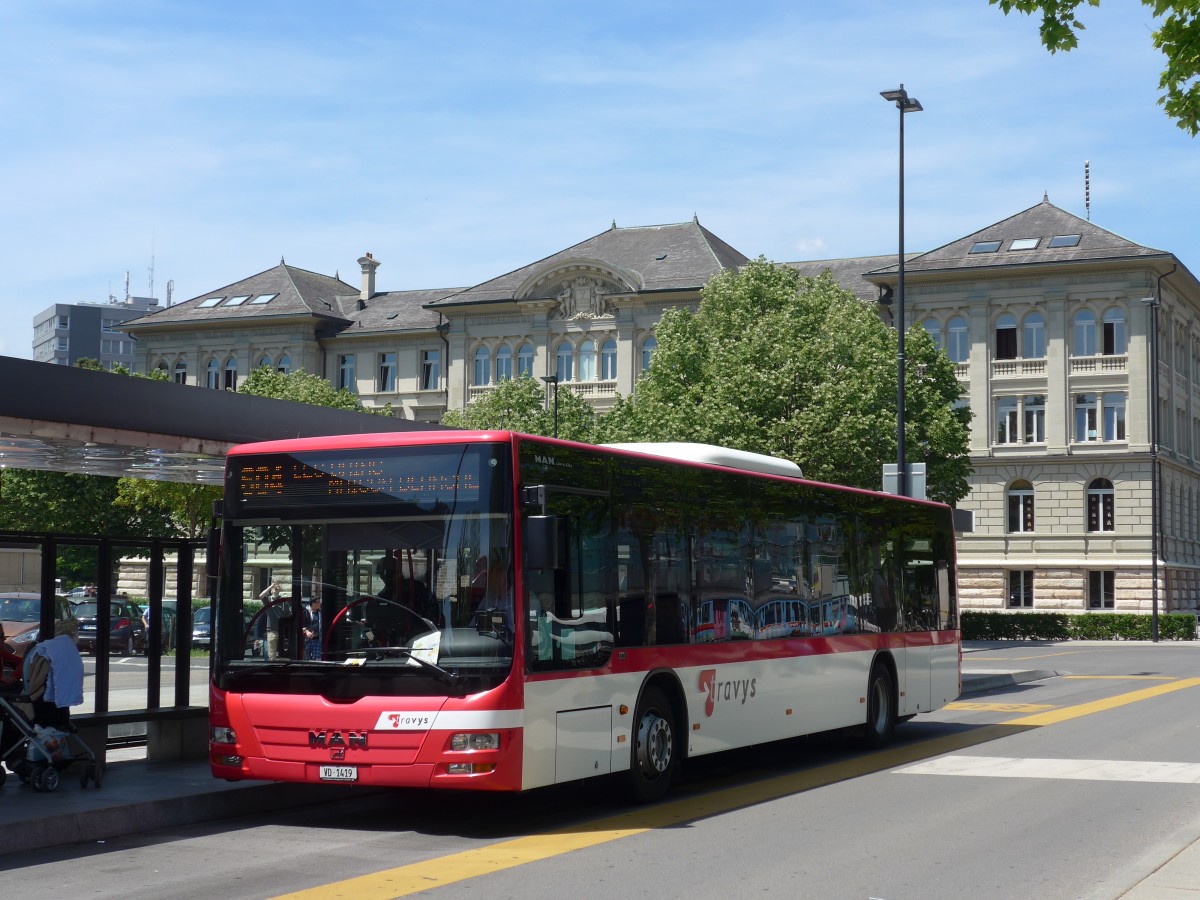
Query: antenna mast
{"points": [[1087, 188]]}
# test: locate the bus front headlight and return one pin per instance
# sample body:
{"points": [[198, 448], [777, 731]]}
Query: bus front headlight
{"points": [[475, 741]]}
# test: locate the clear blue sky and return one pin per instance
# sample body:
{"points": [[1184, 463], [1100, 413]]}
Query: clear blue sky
{"points": [[457, 141]]}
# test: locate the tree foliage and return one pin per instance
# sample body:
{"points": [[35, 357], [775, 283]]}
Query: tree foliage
{"points": [[527, 405], [300, 387], [799, 368], [1178, 38], [189, 505]]}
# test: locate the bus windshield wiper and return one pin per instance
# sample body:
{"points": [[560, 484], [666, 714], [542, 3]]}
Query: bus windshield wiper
{"points": [[451, 678]]}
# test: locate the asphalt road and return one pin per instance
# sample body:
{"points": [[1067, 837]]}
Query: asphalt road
{"points": [[1077, 786]]}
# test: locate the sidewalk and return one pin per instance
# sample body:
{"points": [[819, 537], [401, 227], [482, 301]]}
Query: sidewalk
{"points": [[138, 795]]}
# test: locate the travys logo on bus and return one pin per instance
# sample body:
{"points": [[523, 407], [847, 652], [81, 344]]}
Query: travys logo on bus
{"points": [[737, 690]]}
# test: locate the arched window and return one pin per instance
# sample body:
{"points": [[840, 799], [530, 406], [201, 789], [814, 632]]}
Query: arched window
{"points": [[1006, 337], [1114, 333], [1020, 507], [1034, 336], [162, 367], [231, 373], [504, 361], [525, 361], [1100, 505], [265, 363], [935, 331], [648, 348], [565, 362], [587, 361], [181, 372], [608, 360], [957, 346], [284, 366], [213, 375], [1084, 333], [483, 367]]}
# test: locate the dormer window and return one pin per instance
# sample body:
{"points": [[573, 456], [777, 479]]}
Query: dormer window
{"points": [[1064, 240], [1024, 244], [985, 247]]}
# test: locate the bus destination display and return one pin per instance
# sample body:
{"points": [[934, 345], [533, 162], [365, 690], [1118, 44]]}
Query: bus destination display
{"points": [[273, 482]]}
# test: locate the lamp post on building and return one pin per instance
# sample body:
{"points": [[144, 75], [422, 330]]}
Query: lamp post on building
{"points": [[553, 380], [905, 104]]}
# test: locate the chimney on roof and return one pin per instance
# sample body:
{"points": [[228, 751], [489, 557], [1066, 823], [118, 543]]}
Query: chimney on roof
{"points": [[369, 264]]}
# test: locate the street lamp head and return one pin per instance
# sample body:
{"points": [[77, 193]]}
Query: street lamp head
{"points": [[550, 379], [903, 102], [1151, 301]]}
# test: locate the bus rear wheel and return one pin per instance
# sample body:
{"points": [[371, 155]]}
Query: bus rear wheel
{"points": [[654, 750], [881, 708]]}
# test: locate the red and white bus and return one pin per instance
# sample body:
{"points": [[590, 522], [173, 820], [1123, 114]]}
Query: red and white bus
{"points": [[503, 612]]}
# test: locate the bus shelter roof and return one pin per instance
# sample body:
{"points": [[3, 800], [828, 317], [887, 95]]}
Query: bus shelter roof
{"points": [[63, 419]]}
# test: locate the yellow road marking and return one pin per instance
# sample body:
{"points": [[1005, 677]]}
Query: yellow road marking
{"points": [[404, 881], [998, 707], [1086, 709]]}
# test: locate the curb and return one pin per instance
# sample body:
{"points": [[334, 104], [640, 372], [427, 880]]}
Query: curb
{"points": [[108, 822], [980, 681]]}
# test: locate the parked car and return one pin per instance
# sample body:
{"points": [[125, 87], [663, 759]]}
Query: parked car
{"points": [[202, 628], [127, 635], [20, 617]]}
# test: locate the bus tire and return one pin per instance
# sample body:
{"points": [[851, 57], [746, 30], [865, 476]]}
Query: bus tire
{"points": [[881, 708], [655, 752]]}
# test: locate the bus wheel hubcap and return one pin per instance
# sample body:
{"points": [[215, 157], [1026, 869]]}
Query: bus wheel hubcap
{"points": [[654, 745]]}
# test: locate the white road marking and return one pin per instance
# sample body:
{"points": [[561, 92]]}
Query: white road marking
{"points": [[1075, 769]]}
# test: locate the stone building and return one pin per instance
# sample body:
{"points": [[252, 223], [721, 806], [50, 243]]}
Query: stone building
{"points": [[1050, 321], [1047, 317]]}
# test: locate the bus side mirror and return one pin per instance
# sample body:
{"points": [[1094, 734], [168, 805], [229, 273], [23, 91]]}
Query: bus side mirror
{"points": [[541, 542]]}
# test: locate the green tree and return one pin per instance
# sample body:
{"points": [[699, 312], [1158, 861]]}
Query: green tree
{"points": [[1178, 38], [65, 503], [188, 505], [527, 405], [798, 368], [300, 387]]}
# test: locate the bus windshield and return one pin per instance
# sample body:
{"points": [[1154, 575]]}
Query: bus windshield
{"points": [[353, 572]]}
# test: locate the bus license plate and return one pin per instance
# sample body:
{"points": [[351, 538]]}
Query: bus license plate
{"points": [[339, 773]]}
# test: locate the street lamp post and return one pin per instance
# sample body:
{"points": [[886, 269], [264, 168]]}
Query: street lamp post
{"points": [[553, 380], [905, 104]]}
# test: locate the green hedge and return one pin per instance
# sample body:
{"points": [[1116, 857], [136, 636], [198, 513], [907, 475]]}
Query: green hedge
{"points": [[1005, 626]]}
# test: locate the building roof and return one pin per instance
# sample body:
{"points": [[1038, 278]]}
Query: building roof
{"points": [[653, 258], [848, 272], [1041, 235], [280, 291], [390, 311]]}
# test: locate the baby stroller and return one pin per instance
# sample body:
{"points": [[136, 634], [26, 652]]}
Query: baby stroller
{"points": [[37, 740]]}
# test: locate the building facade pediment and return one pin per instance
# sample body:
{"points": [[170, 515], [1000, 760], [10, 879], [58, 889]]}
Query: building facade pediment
{"points": [[580, 288]]}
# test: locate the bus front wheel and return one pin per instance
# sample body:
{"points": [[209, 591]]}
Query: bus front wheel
{"points": [[654, 757], [881, 708]]}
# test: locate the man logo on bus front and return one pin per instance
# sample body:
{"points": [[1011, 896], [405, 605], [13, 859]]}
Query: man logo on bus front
{"points": [[742, 690]]}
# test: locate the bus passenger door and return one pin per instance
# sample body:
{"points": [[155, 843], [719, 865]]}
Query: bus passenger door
{"points": [[569, 638]]}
